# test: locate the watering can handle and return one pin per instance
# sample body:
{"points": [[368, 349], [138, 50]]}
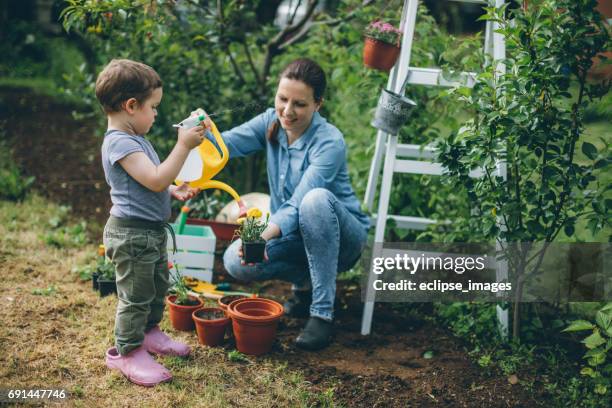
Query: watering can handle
{"points": [[216, 134], [224, 158]]}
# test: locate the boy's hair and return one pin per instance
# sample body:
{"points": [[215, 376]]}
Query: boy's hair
{"points": [[123, 79]]}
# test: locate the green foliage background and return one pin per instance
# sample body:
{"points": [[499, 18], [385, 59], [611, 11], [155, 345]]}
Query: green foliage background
{"points": [[206, 57], [191, 46]]}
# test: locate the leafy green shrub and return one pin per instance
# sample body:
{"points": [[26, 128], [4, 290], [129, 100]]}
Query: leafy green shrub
{"points": [[13, 184], [28, 52], [474, 322], [598, 369], [233, 61], [527, 119], [66, 236], [205, 205], [599, 110], [84, 272]]}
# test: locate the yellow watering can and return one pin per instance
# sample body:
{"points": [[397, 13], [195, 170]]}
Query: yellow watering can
{"points": [[205, 161]]}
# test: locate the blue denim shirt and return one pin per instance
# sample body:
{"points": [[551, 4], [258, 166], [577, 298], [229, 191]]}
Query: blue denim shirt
{"points": [[315, 159]]}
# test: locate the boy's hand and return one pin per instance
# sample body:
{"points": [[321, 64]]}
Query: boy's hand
{"points": [[206, 122], [192, 137], [183, 192]]}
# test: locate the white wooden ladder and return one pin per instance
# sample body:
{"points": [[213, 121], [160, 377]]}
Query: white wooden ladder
{"points": [[415, 159]]}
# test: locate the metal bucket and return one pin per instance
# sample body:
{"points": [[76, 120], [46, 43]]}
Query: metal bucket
{"points": [[392, 112]]}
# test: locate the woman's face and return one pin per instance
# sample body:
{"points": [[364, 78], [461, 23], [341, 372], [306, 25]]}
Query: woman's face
{"points": [[295, 105]]}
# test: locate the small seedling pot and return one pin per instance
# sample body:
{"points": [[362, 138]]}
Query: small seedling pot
{"points": [[94, 280], [379, 55], [106, 286], [392, 112], [181, 315], [254, 321], [253, 252], [226, 300], [210, 323], [224, 303]]}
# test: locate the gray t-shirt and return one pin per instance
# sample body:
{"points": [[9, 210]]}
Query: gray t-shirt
{"points": [[130, 198]]}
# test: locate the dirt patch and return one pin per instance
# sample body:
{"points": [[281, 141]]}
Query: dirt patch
{"points": [[210, 314], [61, 152], [386, 369]]}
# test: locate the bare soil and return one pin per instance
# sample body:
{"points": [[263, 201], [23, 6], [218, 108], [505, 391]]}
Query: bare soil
{"points": [[210, 314], [385, 369]]}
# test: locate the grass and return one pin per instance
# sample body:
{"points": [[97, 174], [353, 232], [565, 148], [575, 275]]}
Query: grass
{"points": [[41, 86], [55, 330]]}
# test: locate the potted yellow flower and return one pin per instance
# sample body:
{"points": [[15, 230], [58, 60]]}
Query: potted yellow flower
{"points": [[249, 231]]}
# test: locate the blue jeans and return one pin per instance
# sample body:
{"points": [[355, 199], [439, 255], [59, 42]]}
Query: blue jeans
{"points": [[329, 240]]}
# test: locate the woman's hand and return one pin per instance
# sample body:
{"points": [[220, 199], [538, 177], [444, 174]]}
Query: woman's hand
{"points": [[271, 231], [241, 255], [183, 192]]}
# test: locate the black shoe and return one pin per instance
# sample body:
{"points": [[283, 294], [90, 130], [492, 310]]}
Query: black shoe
{"points": [[298, 305], [316, 335]]}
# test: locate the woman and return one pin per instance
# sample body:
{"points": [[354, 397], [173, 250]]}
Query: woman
{"points": [[316, 229]]}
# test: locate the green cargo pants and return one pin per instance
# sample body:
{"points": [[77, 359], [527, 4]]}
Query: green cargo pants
{"points": [[137, 248]]}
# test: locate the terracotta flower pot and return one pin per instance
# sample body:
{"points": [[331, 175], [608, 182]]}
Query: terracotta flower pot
{"points": [[379, 55], [223, 230], [254, 321], [226, 300], [210, 323], [253, 252], [223, 303], [255, 308], [180, 315]]}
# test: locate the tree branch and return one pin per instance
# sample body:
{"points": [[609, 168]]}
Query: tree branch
{"points": [[251, 64], [234, 64], [273, 47], [572, 144], [330, 22], [299, 3]]}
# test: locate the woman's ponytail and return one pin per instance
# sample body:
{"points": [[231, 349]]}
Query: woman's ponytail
{"points": [[272, 133]]}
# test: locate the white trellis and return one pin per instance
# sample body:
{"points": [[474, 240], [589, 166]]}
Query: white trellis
{"points": [[415, 159]]}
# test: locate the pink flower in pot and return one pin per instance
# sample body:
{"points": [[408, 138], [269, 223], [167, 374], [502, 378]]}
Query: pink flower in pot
{"points": [[382, 45]]}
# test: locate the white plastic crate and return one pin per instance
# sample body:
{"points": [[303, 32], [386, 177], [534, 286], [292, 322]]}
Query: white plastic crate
{"points": [[195, 251]]}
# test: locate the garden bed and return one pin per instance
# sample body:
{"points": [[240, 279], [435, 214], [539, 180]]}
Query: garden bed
{"points": [[388, 368]]}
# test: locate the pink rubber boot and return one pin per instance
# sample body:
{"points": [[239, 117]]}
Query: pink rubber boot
{"points": [[138, 366], [156, 341]]}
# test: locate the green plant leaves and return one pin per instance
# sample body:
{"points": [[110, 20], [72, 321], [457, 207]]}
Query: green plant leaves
{"points": [[594, 340], [578, 325], [588, 371], [589, 150], [604, 321]]}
